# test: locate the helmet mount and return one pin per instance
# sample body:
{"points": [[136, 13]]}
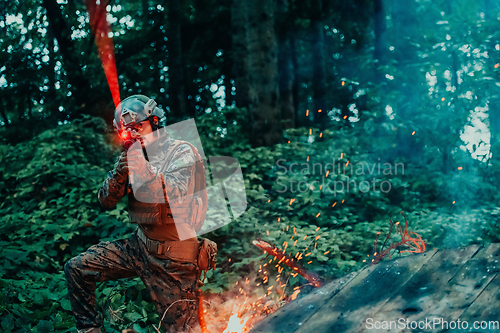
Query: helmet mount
{"points": [[136, 109]]}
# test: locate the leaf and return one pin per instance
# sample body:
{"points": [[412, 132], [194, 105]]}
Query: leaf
{"points": [[134, 316], [66, 304], [45, 326], [8, 322], [138, 328]]}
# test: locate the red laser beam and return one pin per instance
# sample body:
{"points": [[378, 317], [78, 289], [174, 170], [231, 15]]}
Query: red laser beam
{"points": [[100, 30]]}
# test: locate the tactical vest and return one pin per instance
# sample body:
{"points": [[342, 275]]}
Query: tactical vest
{"points": [[191, 211]]}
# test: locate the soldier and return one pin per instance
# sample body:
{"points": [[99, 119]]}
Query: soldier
{"points": [[164, 180]]}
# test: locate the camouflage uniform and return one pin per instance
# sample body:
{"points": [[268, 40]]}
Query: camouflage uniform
{"points": [[171, 281]]}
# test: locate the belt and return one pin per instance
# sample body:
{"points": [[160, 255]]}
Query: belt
{"points": [[177, 250]]}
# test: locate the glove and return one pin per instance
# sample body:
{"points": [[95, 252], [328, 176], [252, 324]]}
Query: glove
{"points": [[121, 167], [141, 170]]}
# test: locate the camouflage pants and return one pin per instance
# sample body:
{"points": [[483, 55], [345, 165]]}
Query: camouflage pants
{"points": [[169, 282]]}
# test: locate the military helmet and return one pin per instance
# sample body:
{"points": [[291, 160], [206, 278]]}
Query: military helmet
{"points": [[135, 109]]}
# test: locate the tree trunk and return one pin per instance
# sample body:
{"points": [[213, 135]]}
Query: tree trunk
{"points": [[227, 69], [3, 100], [239, 22], [3, 113], [380, 42], [490, 9], [409, 76], [176, 81], [318, 60], [62, 33], [296, 77], [263, 74], [285, 68], [52, 92]]}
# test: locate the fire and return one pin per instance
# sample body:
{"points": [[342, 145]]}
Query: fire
{"points": [[236, 324], [252, 298]]}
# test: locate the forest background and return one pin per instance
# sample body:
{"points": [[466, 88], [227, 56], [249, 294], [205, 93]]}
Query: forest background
{"points": [[307, 95]]}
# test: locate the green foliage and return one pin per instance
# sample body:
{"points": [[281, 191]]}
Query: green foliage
{"points": [[50, 212], [286, 203]]}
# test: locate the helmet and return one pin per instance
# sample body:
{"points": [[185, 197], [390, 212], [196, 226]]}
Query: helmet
{"points": [[135, 109]]}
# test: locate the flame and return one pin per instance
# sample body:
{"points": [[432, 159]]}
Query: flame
{"points": [[236, 324], [249, 300]]}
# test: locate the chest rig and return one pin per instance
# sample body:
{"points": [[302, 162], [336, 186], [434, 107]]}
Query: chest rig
{"points": [[149, 204]]}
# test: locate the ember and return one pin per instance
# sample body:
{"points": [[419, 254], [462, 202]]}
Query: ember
{"points": [[289, 261], [414, 244], [241, 307]]}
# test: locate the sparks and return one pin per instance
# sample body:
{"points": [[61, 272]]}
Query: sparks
{"points": [[312, 278]]}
